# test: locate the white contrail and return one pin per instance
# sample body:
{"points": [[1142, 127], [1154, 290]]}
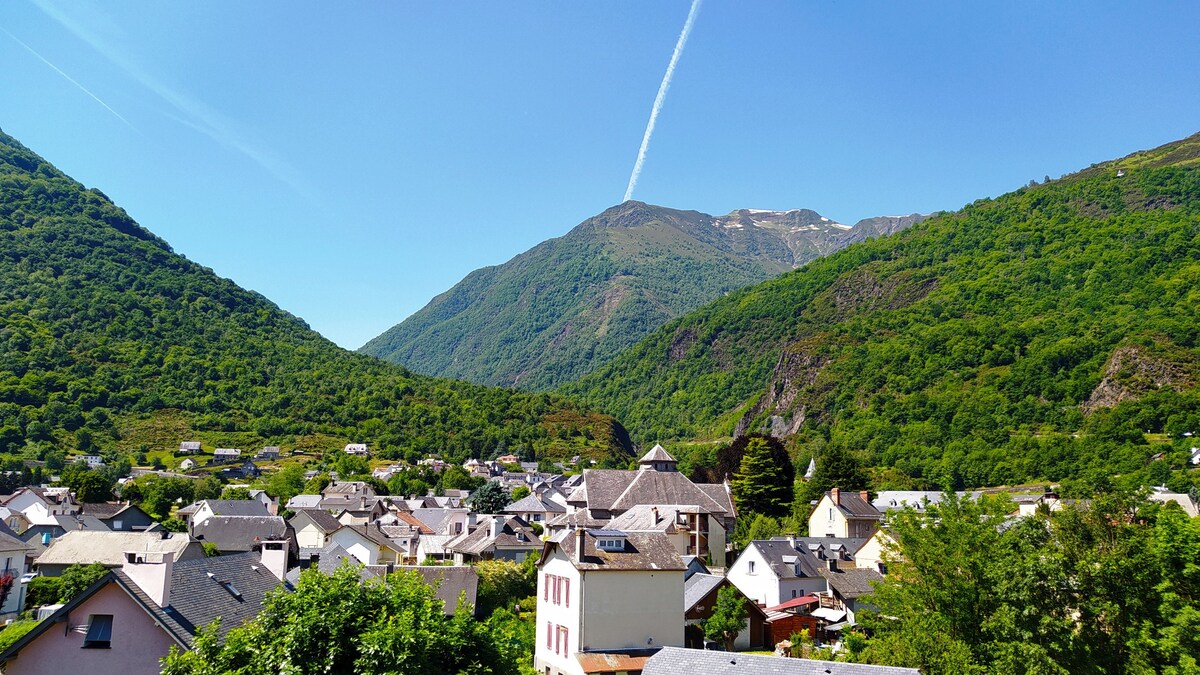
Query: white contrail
{"points": [[662, 96], [70, 79]]}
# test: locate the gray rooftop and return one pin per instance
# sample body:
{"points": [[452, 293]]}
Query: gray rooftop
{"points": [[680, 661], [240, 533], [697, 587], [199, 593]]}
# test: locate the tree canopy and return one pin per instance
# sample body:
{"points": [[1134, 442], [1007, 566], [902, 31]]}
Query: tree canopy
{"points": [[341, 623]]}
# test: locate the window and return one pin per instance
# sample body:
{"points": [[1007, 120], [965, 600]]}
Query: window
{"points": [[793, 593], [750, 569], [116, 525], [99, 632]]}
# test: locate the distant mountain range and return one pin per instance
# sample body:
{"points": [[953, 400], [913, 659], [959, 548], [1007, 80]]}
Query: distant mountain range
{"points": [[1033, 336], [556, 312], [109, 341]]}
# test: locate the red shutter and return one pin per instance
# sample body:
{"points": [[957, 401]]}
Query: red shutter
{"points": [[566, 641], [546, 587], [567, 592], [549, 639]]}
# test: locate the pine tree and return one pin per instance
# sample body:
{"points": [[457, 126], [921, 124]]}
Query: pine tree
{"points": [[760, 485]]}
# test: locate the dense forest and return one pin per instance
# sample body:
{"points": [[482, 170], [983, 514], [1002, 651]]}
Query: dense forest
{"points": [[104, 330], [1043, 335]]}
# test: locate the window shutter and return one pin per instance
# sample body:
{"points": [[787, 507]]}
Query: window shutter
{"points": [[546, 587], [567, 592]]}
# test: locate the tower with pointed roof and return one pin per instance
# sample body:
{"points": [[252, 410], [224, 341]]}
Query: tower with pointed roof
{"points": [[657, 460]]}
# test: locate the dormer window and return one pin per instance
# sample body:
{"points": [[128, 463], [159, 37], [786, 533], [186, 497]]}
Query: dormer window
{"points": [[609, 540]]}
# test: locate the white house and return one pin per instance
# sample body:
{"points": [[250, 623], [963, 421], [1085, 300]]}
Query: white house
{"points": [[356, 449], [606, 600]]}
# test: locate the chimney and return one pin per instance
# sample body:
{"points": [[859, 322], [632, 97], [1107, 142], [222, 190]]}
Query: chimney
{"points": [[836, 495], [275, 557], [866, 496], [654, 512], [832, 564], [580, 537], [792, 540], [497, 524], [152, 573]]}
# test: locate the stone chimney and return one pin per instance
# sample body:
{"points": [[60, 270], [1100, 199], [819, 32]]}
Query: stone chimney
{"points": [[152, 573], [836, 495], [275, 557], [580, 538]]}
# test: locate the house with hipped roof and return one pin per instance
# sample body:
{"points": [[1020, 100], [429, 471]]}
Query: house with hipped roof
{"points": [[130, 619], [606, 600], [603, 494], [495, 537]]}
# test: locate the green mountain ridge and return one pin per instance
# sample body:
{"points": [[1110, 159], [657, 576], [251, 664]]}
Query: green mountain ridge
{"points": [[1032, 336], [106, 333], [556, 311]]}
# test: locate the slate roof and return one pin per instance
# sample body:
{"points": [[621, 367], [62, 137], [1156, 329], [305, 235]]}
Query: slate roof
{"points": [[319, 517], [454, 579], [781, 556], [579, 518], [656, 454], [109, 548], [236, 507], [436, 519], [617, 490], [240, 533], [9, 541], [643, 551], [697, 587], [377, 536], [888, 500], [81, 522], [514, 533], [413, 521], [852, 505], [680, 661], [851, 582], [646, 518], [102, 510], [198, 593], [719, 493], [303, 502], [534, 504]]}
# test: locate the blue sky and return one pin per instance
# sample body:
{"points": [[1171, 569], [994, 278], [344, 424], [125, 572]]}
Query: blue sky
{"points": [[351, 160]]}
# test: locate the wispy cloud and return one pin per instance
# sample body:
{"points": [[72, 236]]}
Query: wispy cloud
{"points": [[660, 98], [67, 77], [193, 113]]}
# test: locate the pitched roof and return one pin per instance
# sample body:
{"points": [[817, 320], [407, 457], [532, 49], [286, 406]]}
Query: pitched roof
{"points": [[646, 518], [9, 541], [680, 661], [642, 551], [697, 587], [304, 502], [610, 489], [534, 504], [852, 505], [514, 533], [436, 519], [376, 535], [199, 593], [84, 547], [240, 533], [851, 582], [413, 521], [81, 522], [782, 556], [237, 507], [656, 454], [102, 510], [319, 517]]}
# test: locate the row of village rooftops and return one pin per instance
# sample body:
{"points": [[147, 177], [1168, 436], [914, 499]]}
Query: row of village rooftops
{"points": [[621, 553]]}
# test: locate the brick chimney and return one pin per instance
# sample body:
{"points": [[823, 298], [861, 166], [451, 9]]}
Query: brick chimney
{"points": [[866, 496], [836, 495], [152, 573], [275, 556]]}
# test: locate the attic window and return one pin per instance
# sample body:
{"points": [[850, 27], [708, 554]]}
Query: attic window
{"points": [[611, 544], [99, 632]]}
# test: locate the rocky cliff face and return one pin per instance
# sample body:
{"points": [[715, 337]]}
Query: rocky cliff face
{"points": [[1134, 370]]}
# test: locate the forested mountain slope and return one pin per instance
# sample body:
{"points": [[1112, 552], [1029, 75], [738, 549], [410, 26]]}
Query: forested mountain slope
{"points": [[555, 312], [103, 327], [1031, 336]]}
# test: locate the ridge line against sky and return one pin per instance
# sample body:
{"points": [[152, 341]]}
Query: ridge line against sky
{"points": [[351, 162]]}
